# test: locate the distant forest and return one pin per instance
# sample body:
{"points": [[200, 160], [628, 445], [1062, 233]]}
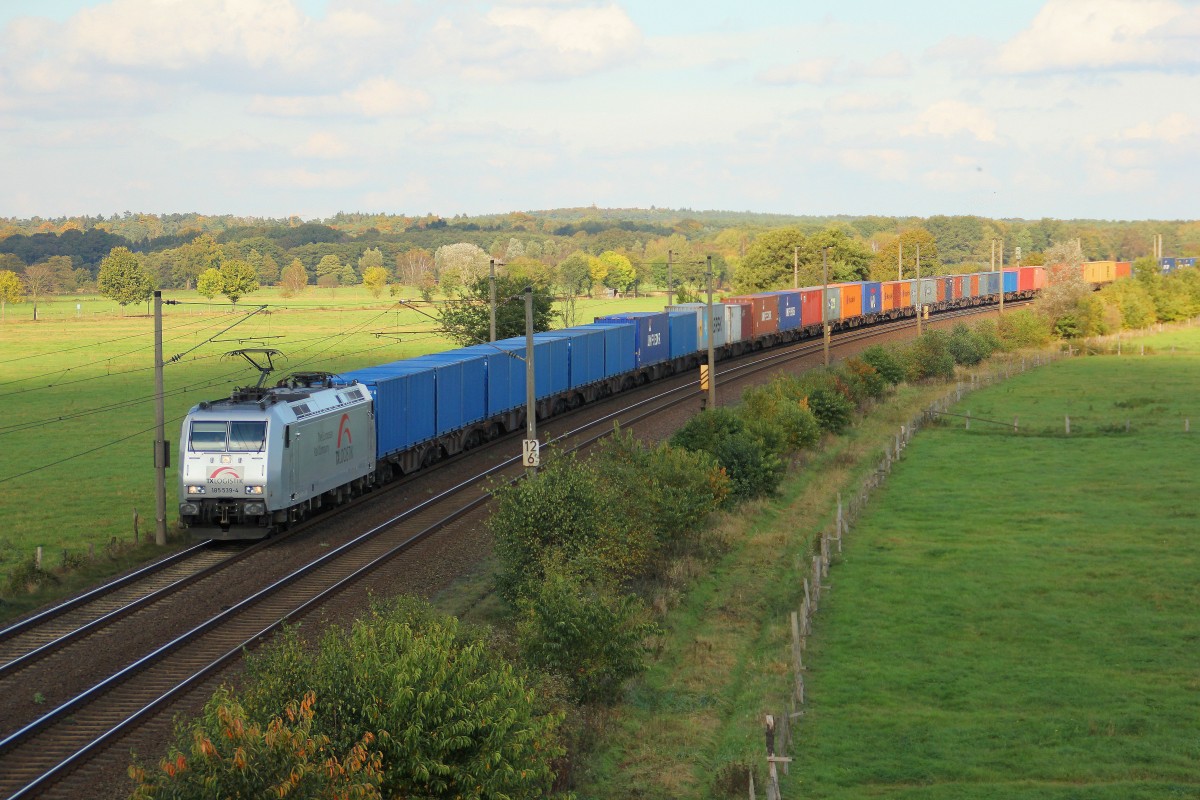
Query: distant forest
{"points": [[177, 248]]}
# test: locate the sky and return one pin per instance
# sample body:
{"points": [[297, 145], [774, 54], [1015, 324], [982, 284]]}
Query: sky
{"points": [[272, 108]]}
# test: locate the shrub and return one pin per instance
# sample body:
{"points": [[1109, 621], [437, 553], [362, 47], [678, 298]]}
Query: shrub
{"points": [[831, 408], [745, 454], [584, 633], [226, 754], [864, 381], [929, 357], [1023, 328], [703, 431], [450, 717], [560, 509], [885, 362], [965, 347]]}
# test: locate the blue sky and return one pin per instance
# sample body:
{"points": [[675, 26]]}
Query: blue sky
{"points": [[1065, 108]]}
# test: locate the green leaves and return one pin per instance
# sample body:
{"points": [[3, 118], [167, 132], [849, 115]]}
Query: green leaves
{"points": [[124, 278]]}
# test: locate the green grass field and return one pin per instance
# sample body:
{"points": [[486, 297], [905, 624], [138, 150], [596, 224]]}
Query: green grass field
{"points": [[1016, 615], [62, 370]]}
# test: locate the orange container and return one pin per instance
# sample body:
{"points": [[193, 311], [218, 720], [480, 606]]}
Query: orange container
{"points": [[851, 299]]}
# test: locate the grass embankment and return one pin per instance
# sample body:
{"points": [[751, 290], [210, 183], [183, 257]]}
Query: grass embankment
{"points": [[66, 365], [1015, 616]]}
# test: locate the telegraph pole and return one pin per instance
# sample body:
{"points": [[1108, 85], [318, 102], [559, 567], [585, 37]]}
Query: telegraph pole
{"points": [[712, 358], [825, 299], [161, 454], [530, 389], [920, 291], [1001, 276], [492, 299]]}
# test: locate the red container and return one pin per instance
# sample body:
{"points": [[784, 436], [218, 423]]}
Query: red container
{"points": [[974, 285], [962, 287], [1124, 269], [940, 283], [764, 315], [1030, 279], [810, 306], [747, 311]]}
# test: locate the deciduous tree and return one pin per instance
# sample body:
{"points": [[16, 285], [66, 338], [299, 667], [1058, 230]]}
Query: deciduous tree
{"points": [[39, 280], [375, 279], [10, 290], [124, 278], [467, 321], [238, 279], [293, 279]]}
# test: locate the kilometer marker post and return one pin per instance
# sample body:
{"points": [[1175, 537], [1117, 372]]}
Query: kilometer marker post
{"points": [[531, 461]]}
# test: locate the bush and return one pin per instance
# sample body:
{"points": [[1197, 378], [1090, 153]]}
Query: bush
{"points": [[864, 381], [449, 716], [885, 362], [1023, 328], [226, 754], [584, 633], [965, 347], [560, 509], [929, 357], [831, 408], [745, 454]]}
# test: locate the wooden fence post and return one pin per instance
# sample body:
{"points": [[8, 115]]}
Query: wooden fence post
{"points": [[1067, 419], [797, 660], [1016, 428], [968, 419], [37, 557]]}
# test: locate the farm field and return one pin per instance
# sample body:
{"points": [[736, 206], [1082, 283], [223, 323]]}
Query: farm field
{"points": [[78, 387], [1015, 616]]}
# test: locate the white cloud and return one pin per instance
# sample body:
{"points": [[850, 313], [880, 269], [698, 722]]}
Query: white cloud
{"points": [[815, 71], [949, 118], [866, 102], [886, 163], [321, 145], [1071, 35], [541, 41], [375, 97], [301, 178], [1171, 129]]}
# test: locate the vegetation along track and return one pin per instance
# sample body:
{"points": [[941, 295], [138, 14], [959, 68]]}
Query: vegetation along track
{"points": [[33, 758]]}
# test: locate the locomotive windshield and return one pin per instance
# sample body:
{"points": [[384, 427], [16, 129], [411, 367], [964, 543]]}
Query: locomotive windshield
{"points": [[235, 437]]}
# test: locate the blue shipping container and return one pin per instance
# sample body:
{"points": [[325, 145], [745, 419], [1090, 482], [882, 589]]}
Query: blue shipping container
{"points": [[1010, 281], [653, 333], [404, 404], [789, 309], [685, 333], [505, 378], [619, 346], [701, 310], [585, 354], [872, 298], [460, 388], [549, 363]]}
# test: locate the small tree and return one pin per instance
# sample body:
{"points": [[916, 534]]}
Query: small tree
{"points": [[123, 277], [293, 279], [10, 290], [210, 282], [375, 279], [39, 280], [329, 265], [467, 318], [238, 279]]}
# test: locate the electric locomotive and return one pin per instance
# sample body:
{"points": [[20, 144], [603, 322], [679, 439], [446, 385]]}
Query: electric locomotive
{"points": [[265, 457]]}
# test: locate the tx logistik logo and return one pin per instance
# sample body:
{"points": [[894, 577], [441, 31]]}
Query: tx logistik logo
{"points": [[343, 454], [224, 475]]}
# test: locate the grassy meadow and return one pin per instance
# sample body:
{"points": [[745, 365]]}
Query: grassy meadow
{"points": [[1016, 615], [78, 389]]}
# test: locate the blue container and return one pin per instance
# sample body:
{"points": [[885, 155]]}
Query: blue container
{"points": [[504, 378], [1185, 262], [1167, 264], [950, 295], [585, 354], [685, 333], [461, 379], [872, 298], [652, 344], [789, 309], [405, 403], [1010, 281], [550, 357], [619, 346]]}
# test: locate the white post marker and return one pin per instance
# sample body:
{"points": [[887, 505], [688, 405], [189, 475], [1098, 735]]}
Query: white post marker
{"points": [[530, 453]]}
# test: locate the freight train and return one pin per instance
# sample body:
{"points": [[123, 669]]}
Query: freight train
{"points": [[266, 457]]}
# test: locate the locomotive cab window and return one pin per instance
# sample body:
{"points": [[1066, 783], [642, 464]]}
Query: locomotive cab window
{"points": [[247, 437], [208, 437]]}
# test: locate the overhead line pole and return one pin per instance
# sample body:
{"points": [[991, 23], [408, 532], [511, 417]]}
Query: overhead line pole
{"points": [[161, 454], [530, 390], [492, 300], [712, 357], [825, 300], [796, 267], [670, 294], [920, 291], [1002, 277]]}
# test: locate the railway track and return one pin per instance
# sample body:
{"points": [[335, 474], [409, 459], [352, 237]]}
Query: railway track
{"points": [[34, 758]]}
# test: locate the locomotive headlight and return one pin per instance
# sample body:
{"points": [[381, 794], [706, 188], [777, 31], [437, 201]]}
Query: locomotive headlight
{"points": [[254, 490], [195, 490]]}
